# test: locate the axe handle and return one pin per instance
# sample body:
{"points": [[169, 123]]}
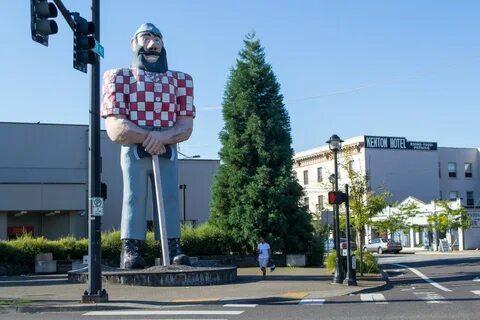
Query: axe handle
{"points": [[161, 210]]}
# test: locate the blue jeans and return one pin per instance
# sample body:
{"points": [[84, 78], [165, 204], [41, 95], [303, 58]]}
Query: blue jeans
{"points": [[137, 173]]}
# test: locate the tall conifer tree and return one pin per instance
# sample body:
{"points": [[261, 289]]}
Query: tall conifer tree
{"points": [[254, 192]]}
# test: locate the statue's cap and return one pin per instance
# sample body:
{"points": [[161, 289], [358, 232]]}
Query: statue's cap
{"points": [[148, 27]]}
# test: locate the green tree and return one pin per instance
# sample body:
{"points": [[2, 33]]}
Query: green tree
{"points": [[399, 220], [448, 219], [254, 191], [365, 204]]}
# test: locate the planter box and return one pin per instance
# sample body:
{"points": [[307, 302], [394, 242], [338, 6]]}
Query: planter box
{"points": [[49, 266], [78, 264], [296, 260]]}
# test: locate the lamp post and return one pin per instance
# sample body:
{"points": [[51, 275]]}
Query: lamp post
{"points": [[183, 187], [335, 144]]}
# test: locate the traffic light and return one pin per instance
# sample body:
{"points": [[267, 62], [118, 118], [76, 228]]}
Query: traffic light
{"points": [[83, 43], [41, 25], [336, 197]]}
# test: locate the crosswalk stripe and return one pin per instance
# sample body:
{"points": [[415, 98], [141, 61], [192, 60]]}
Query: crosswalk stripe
{"points": [[477, 292], [180, 319], [159, 312], [312, 302], [240, 305], [378, 298], [430, 297]]}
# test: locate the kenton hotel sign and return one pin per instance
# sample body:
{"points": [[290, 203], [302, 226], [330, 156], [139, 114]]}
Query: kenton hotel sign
{"points": [[398, 143]]}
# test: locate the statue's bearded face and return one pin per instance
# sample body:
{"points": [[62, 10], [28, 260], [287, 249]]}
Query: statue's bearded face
{"points": [[147, 50]]}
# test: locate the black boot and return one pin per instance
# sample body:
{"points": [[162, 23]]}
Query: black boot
{"points": [[175, 253], [130, 258]]}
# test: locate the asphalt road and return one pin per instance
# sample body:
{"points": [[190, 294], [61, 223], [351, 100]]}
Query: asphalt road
{"points": [[419, 287]]}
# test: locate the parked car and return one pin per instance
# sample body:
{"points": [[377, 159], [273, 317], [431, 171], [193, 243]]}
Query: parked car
{"points": [[382, 245], [329, 244]]}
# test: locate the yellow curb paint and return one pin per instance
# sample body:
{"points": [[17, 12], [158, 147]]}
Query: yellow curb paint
{"points": [[295, 295], [196, 300]]}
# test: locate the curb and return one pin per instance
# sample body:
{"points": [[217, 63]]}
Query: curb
{"points": [[379, 287], [132, 305]]}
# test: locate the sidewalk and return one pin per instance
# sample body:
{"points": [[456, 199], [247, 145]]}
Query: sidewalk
{"points": [[407, 250], [41, 293]]}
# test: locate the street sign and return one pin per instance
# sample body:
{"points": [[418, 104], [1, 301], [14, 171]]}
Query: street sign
{"points": [[98, 49], [97, 206], [354, 262]]}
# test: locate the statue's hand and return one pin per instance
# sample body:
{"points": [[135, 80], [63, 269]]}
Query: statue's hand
{"points": [[154, 143]]}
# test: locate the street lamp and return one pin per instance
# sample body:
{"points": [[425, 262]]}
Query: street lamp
{"points": [[183, 187], [335, 144]]}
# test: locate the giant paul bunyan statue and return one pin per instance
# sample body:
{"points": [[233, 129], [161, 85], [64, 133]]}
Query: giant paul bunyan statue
{"points": [[149, 106]]}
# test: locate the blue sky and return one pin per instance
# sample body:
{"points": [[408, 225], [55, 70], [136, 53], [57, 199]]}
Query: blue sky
{"points": [[397, 68]]}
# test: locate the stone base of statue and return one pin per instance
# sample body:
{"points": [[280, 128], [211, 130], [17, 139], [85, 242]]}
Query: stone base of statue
{"points": [[200, 273]]}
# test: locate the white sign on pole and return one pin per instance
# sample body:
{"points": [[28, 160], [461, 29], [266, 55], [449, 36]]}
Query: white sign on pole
{"points": [[97, 206], [354, 262]]}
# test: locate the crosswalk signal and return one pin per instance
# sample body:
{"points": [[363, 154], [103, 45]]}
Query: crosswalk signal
{"points": [[83, 43], [336, 197], [41, 25]]}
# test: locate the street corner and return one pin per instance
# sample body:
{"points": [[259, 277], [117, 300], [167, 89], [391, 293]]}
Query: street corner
{"points": [[370, 283]]}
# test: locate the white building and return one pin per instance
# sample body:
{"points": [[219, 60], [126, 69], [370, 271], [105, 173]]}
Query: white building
{"points": [[404, 168], [43, 181]]}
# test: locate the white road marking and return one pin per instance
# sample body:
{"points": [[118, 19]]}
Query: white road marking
{"points": [[430, 297], [424, 277], [378, 298], [312, 302], [159, 312], [239, 305], [477, 292]]}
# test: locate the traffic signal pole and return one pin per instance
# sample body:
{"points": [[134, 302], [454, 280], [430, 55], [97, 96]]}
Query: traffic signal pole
{"points": [[350, 278], [94, 293], [87, 49]]}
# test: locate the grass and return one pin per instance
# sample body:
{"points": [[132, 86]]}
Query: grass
{"points": [[13, 302]]}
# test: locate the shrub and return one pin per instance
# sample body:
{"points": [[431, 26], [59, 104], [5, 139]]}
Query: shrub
{"points": [[206, 239], [370, 264], [315, 251], [111, 248]]}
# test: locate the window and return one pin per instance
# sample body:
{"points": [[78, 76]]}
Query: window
{"points": [[320, 202], [305, 177], [319, 174], [470, 198], [439, 171], [441, 195], [306, 201], [468, 170], [453, 195], [452, 169]]}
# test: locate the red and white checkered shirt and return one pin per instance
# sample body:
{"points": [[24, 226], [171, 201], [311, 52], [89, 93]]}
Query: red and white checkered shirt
{"points": [[148, 98]]}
